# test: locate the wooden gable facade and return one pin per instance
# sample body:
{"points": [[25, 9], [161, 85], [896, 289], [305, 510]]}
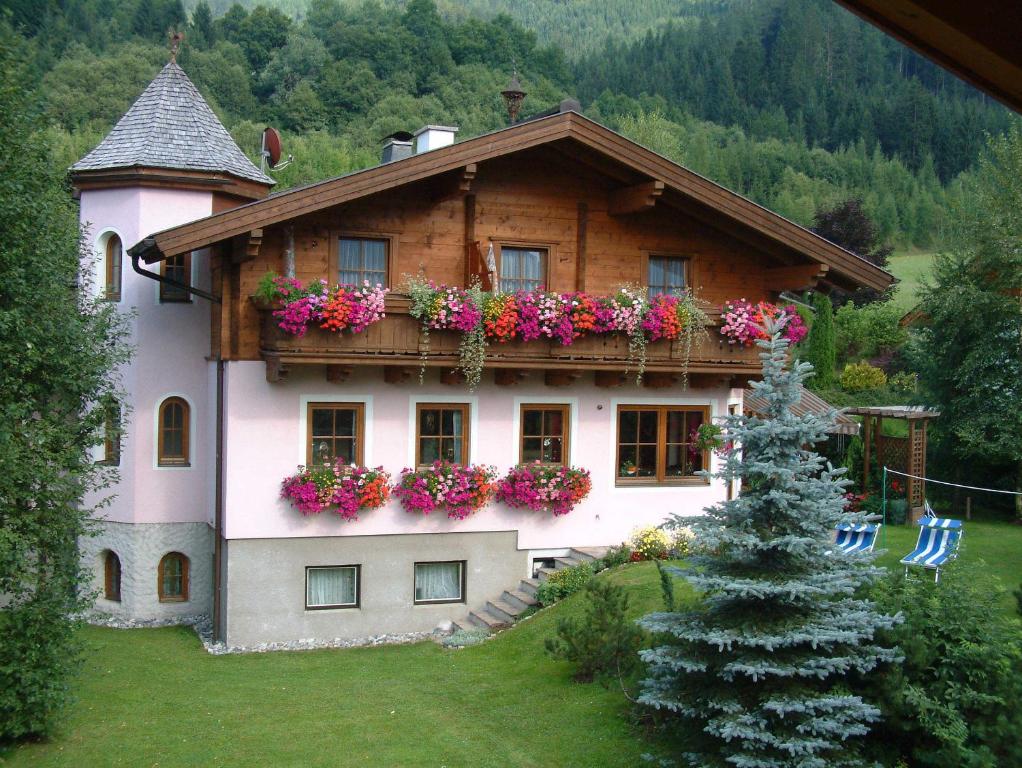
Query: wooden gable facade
{"points": [[596, 204]]}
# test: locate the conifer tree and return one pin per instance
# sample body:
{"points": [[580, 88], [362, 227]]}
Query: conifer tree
{"points": [[756, 676], [821, 347]]}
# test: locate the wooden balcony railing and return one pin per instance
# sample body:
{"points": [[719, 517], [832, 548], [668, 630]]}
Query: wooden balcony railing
{"points": [[397, 340]]}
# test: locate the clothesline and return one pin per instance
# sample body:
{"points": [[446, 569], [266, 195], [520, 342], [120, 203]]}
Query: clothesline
{"points": [[953, 485]]}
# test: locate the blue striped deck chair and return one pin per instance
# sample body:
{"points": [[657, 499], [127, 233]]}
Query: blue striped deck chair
{"points": [[858, 537], [939, 538]]}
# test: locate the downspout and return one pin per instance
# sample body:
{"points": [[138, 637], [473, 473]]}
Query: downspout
{"points": [[218, 493]]}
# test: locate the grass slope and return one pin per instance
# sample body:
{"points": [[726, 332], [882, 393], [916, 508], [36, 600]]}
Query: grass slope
{"points": [[910, 268], [154, 697], [149, 697]]}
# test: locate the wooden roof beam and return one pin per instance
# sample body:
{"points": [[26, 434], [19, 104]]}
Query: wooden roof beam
{"points": [[795, 278], [639, 197]]}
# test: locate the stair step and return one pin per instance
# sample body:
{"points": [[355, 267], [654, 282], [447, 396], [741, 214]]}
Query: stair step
{"points": [[528, 586], [464, 625], [519, 597], [504, 610], [589, 553], [566, 562], [487, 620], [544, 572]]}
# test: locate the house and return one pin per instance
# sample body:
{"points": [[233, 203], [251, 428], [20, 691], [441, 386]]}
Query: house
{"points": [[224, 404]]}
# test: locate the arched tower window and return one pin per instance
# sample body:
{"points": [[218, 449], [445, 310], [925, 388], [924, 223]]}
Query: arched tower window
{"points": [[114, 257], [112, 576], [172, 580], [172, 426]]}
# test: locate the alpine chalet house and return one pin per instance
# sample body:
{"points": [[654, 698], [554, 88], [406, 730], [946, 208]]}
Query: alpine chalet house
{"points": [[240, 380]]}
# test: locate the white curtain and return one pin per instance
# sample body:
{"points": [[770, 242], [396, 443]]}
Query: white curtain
{"points": [[438, 581], [330, 586]]}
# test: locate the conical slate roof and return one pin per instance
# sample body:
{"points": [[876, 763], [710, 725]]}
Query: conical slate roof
{"points": [[171, 126]]}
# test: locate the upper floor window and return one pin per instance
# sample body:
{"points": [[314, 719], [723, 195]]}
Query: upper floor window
{"points": [[172, 580], [544, 434], [112, 576], [658, 444], [667, 275], [114, 254], [335, 432], [362, 259], [179, 269], [522, 269], [441, 433], [112, 433], [173, 428]]}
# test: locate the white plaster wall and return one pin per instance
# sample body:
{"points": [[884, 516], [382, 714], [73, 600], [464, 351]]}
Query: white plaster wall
{"points": [[265, 437], [140, 547], [171, 343]]}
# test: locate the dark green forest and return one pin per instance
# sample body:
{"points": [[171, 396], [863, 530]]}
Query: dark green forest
{"points": [[794, 103]]}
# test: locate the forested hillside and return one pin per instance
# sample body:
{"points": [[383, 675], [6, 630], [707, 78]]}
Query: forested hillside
{"points": [[794, 103]]}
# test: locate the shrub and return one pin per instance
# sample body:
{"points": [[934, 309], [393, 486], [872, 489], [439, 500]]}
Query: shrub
{"points": [[649, 544], [603, 641], [564, 582], [868, 331], [897, 511], [821, 349], [903, 381], [859, 376], [615, 556], [462, 638], [953, 700]]}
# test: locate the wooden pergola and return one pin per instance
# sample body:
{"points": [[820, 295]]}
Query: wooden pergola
{"points": [[903, 454]]}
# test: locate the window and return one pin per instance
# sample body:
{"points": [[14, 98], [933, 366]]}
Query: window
{"points": [[335, 432], [112, 576], [361, 259], [114, 253], [544, 434], [335, 586], [172, 442], [179, 269], [522, 269], [440, 582], [112, 434], [441, 433], [172, 582], [667, 275], [657, 444]]}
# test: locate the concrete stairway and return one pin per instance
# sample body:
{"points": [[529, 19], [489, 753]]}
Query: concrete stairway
{"points": [[501, 612]]}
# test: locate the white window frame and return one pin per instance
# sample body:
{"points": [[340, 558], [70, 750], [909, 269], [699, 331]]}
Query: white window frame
{"points": [[462, 582]]}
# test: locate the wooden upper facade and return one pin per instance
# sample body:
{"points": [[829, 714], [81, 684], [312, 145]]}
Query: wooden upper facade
{"points": [[596, 205]]}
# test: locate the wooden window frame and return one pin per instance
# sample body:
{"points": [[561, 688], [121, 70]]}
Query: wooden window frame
{"points": [[111, 585], [183, 597], [687, 258], [169, 298], [359, 409], [660, 479], [525, 245], [565, 410], [333, 266], [466, 431], [463, 581], [163, 460], [109, 293], [111, 435], [335, 606]]}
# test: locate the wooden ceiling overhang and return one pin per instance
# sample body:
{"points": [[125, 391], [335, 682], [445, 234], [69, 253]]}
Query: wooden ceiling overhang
{"points": [[979, 42], [171, 178], [647, 179]]}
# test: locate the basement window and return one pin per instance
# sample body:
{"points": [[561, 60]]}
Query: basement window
{"points": [[332, 586], [442, 582]]}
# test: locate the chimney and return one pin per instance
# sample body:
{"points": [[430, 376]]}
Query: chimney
{"points": [[397, 146], [433, 137]]}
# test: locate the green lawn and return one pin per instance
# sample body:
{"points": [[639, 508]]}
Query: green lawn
{"points": [[155, 698], [909, 268]]}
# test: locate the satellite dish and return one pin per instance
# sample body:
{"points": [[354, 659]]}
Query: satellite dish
{"points": [[271, 150]]}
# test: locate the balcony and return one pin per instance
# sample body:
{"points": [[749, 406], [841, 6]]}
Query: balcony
{"points": [[397, 343]]}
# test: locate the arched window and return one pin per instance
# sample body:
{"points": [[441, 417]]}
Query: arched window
{"points": [[172, 580], [114, 252], [172, 440], [112, 576]]}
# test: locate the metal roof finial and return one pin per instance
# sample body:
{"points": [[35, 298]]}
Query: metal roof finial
{"points": [[176, 39], [513, 95]]}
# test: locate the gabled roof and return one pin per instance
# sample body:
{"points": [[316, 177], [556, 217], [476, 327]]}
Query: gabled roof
{"points": [[171, 126], [568, 132]]}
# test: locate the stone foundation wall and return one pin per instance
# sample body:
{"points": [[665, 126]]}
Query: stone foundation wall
{"points": [[140, 547]]}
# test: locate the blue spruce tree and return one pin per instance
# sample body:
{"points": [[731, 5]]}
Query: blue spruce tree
{"points": [[755, 677]]}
